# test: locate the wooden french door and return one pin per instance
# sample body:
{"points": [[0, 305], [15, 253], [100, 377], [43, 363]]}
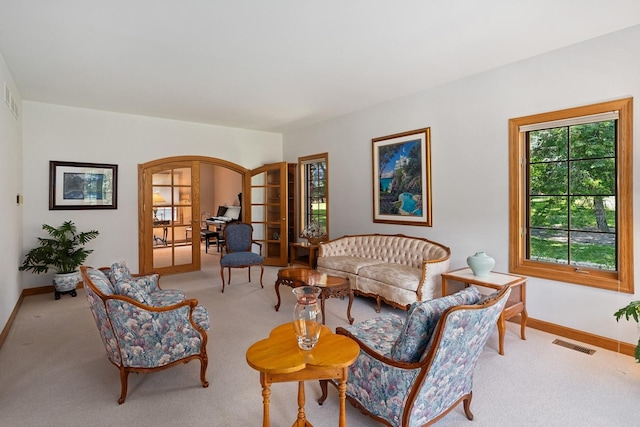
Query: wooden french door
{"points": [[169, 217], [267, 210], [169, 212]]}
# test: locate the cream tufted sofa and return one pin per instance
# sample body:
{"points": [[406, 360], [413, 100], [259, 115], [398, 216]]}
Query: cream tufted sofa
{"points": [[396, 269]]}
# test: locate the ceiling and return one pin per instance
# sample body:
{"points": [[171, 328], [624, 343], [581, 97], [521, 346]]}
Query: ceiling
{"points": [[280, 64]]}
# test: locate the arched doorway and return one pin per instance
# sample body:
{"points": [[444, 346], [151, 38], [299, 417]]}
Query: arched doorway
{"points": [[172, 208]]}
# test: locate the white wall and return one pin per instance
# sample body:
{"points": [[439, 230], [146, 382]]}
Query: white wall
{"points": [[10, 187], [53, 132], [468, 120]]}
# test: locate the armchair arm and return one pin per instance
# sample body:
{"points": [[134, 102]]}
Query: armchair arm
{"points": [[259, 244], [154, 336]]}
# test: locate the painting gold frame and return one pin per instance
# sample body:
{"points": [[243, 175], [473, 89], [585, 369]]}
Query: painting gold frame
{"points": [[402, 178]]}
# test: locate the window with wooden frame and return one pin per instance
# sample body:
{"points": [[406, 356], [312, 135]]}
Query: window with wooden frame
{"points": [[314, 191], [571, 195]]}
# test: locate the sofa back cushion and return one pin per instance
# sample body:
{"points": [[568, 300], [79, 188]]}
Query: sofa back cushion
{"points": [[396, 249], [421, 321]]}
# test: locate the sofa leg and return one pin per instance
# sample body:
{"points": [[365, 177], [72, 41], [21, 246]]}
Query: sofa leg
{"points": [[124, 374], [379, 301]]}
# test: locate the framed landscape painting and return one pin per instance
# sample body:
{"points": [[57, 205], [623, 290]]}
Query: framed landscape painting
{"points": [[402, 178], [82, 185]]}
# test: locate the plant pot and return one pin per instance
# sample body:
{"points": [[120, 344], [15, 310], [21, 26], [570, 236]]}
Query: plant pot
{"points": [[66, 283]]}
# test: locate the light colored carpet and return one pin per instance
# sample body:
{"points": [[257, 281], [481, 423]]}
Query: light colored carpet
{"points": [[54, 370]]}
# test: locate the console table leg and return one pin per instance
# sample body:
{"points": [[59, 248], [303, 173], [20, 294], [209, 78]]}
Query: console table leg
{"points": [[523, 323]]}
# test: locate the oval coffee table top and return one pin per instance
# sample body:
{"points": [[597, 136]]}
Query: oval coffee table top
{"points": [[311, 277]]}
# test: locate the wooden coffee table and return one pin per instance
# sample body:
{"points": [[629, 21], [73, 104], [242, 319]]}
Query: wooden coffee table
{"points": [[279, 359], [331, 286]]}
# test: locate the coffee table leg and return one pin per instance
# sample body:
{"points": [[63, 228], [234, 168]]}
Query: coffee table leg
{"points": [[349, 318], [266, 394], [278, 293], [322, 307], [302, 418], [342, 392]]}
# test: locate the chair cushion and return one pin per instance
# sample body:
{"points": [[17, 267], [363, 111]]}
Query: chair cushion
{"points": [[134, 290], [422, 319], [240, 259], [378, 333]]}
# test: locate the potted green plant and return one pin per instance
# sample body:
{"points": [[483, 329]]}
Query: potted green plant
{"points": [[63, 252], [631, 310]]}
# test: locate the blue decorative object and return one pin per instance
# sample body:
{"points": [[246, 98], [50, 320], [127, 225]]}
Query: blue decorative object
{"points": [[481, 264]]}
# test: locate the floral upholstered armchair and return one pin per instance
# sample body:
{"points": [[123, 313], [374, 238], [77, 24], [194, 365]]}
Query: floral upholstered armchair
{"points": [[143, 327], [413, 371]]}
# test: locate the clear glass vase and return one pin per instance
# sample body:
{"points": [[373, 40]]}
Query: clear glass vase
{"points": [[307, 319]]}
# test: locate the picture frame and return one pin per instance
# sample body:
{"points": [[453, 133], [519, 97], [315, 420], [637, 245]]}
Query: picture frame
{"points": [[402, 178], [74, 185]]}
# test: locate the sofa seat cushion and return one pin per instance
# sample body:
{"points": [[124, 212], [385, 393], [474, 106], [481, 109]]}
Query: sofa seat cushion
{"points": [[398, 275], [422, 319], [348, 264]]}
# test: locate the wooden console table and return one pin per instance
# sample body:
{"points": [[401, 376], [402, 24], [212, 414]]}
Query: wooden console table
{"points": [[308, 260], [517, 303]]}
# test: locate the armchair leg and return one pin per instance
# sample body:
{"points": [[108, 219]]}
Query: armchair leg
{"points": [[261, 274], [124, 375], [249, 273], [222, 276], [203, 372], [325, 392], [466, 403]]}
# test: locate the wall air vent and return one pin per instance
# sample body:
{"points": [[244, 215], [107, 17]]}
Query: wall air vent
{"points": [[10, 101]]}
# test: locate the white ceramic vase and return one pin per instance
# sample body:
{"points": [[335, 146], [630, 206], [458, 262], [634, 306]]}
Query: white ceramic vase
{"points": [[481, 264]]}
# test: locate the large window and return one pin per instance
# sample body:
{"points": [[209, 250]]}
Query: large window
{"points": [[314, 191], [571, 195]]}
